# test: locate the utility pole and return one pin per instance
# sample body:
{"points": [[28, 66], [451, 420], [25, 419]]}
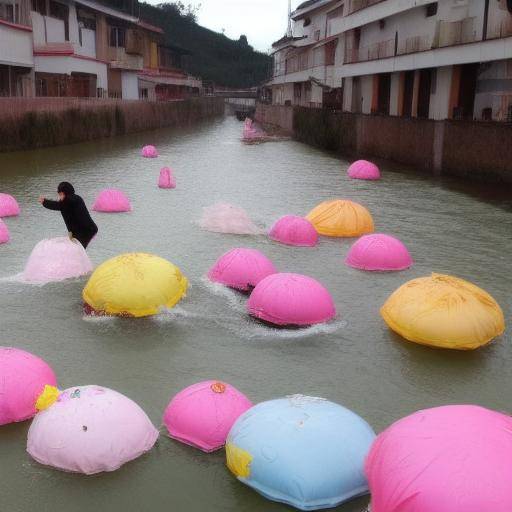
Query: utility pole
{"points": [[289, 32]]}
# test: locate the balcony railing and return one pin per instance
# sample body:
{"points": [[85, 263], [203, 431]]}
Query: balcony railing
{"points": [[452, 33], [501, 28], [382, 50], [414, 44]]}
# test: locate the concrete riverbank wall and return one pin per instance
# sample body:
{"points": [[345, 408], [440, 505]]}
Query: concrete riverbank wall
{"points": [[471, 149], [43, 122]]}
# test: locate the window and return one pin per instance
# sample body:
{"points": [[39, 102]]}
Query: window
{"points": [[86, 20], [143, 94], [61, 12], [41, 87], [317, 35], [117, 37], [307, 22], [39, 6], [431, 9]]}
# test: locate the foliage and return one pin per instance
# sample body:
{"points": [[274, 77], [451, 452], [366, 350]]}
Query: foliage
{"points": [[214, 57]]}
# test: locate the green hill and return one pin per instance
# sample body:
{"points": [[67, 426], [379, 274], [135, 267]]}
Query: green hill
{"points": [[214, 56]]}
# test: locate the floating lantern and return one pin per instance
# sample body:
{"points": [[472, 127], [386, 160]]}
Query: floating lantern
{"points": [[226, 218], [379, 252], [149, 152], [203, 414], [293, 230], [89, 429], [8, 206], [303, 451], [23, 377], [444, 311], [341, 218], [364, 170], [4, 233], [241, 268], [56, 259], [112, 201], [291, 299], [134, 285], [166, 179], [448, 459]]}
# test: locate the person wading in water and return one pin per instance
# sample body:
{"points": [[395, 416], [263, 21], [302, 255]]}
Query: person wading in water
{"points": [[74, 212]]}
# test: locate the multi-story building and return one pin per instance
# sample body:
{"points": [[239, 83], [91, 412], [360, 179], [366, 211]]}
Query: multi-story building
{"points": [[86, 48], [438, 60], [16, 58]]}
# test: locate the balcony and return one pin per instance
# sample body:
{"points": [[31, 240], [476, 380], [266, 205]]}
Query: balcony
{"points": [[119, 59], [452, 33], [357, 5], [134, 42], [382, 50], [414, 45]]}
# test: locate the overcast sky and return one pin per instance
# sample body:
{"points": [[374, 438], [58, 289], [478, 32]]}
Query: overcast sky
{"points": [[262, 21]]}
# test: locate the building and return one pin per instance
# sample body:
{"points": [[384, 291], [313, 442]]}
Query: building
{"points": [[16, 57], [450, 59], [87, 48]]}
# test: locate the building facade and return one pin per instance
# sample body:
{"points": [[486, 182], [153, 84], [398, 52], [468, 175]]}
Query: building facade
{"points": [[84, 48], [450, 59]]}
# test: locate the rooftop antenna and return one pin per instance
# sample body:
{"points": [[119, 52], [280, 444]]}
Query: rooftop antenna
{"points": [[289, 32]]}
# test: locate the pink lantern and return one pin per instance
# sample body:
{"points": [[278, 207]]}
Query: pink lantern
{"points": [[364, 170], [293, 230], [241, 268], [56, 259], [379, 252], [166, 179], [149, 152], [8, 206], [449, 459], [227, 218], [4, 233], [90, 429], [291, 299], [112, 200], [202, 414], [23, 378]]}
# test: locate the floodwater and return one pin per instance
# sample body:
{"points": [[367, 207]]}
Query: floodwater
{"points": [[355, 360]]}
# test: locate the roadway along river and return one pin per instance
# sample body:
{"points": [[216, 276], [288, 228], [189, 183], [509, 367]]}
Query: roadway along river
{"points": [[355, 361]]}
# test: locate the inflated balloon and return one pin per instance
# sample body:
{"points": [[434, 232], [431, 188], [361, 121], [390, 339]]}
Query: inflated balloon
{"points": [[291, 299], [23, 378], [364, 170], [203, 414], [379, 252], [149, 152], [226, 218], [135, 285], [444, 311], [303, 451], [4, 233], [112, 200], [241, 268], [341, 218], [166, 179], [293, 230], [449, 459], [56, 259], [8, 206], [90, 429]]}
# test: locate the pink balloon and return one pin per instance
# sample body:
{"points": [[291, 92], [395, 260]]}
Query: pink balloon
{"points": [[90, 429], [227, 218], [23, 378], [166, 179], [379, 252], [291, 299], [364, 170], [149, 152], [241, 268], [112, 200], [449, 459], [293, 230], [56, 259], [4, 233], [202, 414], [8, 206]]}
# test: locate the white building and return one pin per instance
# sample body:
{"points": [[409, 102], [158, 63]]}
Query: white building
{"points": [[16, 59], [438, 60]]}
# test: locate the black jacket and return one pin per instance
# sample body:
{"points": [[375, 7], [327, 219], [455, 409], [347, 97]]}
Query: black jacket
{"points": [[75, 215]]}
